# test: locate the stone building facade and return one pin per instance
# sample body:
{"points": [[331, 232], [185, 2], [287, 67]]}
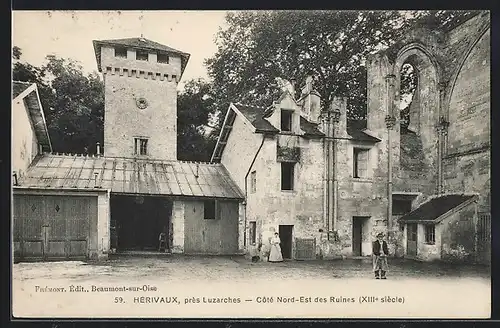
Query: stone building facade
{"points": [[349, 181], [134, 193], [140, 74], [446, 147]]}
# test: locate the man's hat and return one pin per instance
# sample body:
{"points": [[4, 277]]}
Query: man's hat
{"points": [[380, 234]]}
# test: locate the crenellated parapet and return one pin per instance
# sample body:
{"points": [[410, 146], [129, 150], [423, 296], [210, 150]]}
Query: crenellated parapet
{"points": [[141, 74]]}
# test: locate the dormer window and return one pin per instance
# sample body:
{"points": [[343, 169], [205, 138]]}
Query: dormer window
{"points": [[286, 120], [162, 58], [141, 55], [121, 52]]}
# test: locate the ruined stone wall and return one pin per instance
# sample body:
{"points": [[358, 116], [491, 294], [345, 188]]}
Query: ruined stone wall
{"points": [[466, 164]]}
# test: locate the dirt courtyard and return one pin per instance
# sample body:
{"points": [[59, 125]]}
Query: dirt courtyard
{"points": [[126, 286]]}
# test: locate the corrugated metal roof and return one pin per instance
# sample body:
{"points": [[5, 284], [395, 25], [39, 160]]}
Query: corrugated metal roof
{"points": [[435, 208], [141, 43], [132, 176]]}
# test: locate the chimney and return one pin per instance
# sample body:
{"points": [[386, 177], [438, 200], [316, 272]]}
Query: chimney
{"points": [[309, 81], [340, 104], [98, 148]]}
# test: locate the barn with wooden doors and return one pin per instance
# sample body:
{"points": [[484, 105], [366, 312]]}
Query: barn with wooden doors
{"points": [[74, 206], [447, 227]]}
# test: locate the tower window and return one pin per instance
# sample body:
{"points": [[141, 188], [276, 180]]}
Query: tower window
{"points": [[141, 55], [140, 146], [286, 120], [121, 52], [162, 58]]}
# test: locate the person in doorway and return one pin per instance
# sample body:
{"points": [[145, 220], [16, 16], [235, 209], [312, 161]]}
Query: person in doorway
{"points": [[275, 253], [162, 240], [380, 252]]}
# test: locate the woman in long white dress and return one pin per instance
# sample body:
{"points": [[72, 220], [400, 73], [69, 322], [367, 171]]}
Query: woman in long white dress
{"points": [[275, 253]]}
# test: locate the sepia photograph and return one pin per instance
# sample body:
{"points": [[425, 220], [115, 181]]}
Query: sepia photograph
{"points": [[251, 164]]}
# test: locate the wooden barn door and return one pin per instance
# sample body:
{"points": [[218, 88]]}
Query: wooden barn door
{"points": [[52, 227], [29, 227], [229, 227]]}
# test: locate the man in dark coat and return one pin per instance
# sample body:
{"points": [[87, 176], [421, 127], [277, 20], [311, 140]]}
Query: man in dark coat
{"points": [[380, 252]]}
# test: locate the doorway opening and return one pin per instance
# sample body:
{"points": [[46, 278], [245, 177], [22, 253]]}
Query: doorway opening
{"points": [[138, 221], [411, 239], [360, 233], [286, 236]]}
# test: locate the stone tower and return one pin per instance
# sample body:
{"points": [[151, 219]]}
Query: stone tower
{"points": [[140, 82]]}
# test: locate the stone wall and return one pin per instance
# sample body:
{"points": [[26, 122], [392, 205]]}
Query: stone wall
{"points": [[178, 226], [466, 164], [103, 228], [458, 235], [126, 81], [241, 148], [270, 207]]}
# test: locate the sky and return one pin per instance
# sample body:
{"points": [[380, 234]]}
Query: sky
{"points": [[69, 34]]}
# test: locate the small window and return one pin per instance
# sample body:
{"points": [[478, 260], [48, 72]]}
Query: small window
{"points": [[141, 55], [162, 58], [287, 175], [140, 146], [430, 234], [401, 206], [253, 182], [253, 233], [209, 210], [121, 52], [286, 120], [360, 165]]}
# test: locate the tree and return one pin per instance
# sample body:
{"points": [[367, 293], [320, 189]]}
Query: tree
{"points": [[73, 102], [257, 49], [195, 112]]}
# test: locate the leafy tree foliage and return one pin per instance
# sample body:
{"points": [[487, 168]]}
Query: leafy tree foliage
{"points": [[256, 52], [258, 49], [73, 102], [195, 110]]}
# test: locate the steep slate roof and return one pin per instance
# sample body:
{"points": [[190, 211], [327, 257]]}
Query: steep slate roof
{"points": [[131, 176], [434, 209], [310, 129], [18, 87], [139, 43], [255, 116], [29, 94], [355, 128]]}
